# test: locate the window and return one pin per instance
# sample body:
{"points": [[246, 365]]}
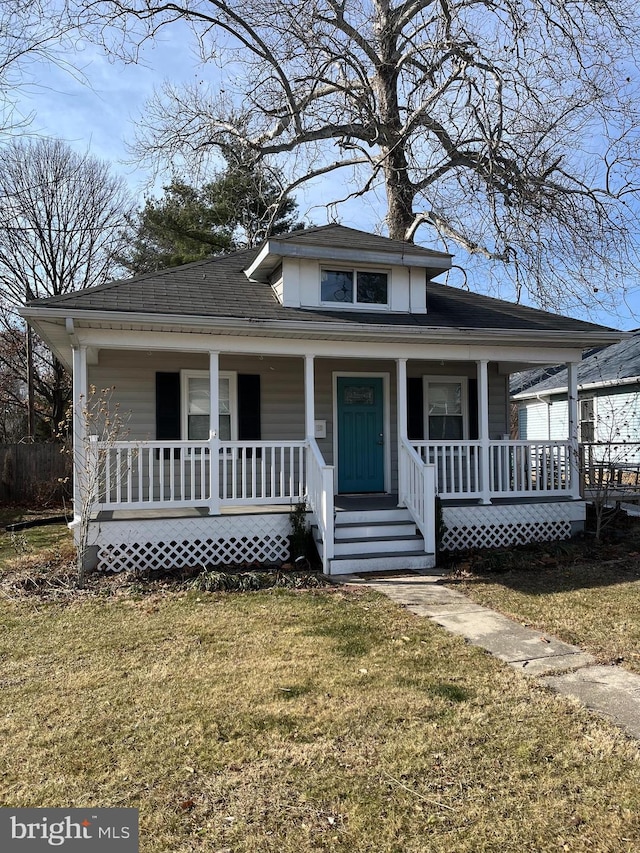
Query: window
{"points": [[195, 391], [587, 419], [354, 287], [446, 408]]}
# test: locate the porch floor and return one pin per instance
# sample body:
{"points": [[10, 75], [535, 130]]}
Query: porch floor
{"points": [[342, 503]]}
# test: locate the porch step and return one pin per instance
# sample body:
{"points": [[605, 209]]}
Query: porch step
{"points": [[370, 540], [390, 562], [365, 516], [377, 544], [366, 530]]}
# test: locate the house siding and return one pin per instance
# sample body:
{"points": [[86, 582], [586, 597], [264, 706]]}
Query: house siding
{"points": [[132, 377]]}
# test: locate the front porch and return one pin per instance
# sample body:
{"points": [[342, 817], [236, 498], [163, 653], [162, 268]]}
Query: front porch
{"points": [[155, 499], [331, 432]]}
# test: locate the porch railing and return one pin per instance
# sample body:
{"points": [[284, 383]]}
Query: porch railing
{"points": [[172, 474], [320, 497], [518, 468], [168, 474], [417, 491], [139, 475], [262, 472], [471, 469]]}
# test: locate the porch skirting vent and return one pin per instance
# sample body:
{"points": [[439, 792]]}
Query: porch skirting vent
{"points": [[513, 524], [180, 543]]}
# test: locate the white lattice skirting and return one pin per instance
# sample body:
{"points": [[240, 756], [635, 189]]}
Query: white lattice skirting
{"points": [[178, 543], [513, 524]]}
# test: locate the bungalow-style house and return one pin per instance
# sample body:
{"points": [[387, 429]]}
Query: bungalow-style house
{"points": [[325, 366], [608, 402]]}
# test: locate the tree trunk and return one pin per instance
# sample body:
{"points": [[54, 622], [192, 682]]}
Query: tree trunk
{"points": [[394, 163]]}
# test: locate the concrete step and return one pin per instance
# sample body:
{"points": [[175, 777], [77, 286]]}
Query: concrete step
{"points": [[391, 562]]}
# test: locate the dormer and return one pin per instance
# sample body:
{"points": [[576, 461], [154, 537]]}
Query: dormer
{"points": [[338, 268]]}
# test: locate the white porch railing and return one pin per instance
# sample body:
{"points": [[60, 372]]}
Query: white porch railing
{"points": [[518, 468], [262, 472], [142, 474], [511, 468], [320, 497], [417, 491], [173, 474]]}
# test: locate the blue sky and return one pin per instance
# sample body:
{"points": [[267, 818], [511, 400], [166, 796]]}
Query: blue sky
{"points": [[100, 118]]}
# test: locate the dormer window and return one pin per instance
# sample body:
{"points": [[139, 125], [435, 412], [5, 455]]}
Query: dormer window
{"points": [[354, 287]]}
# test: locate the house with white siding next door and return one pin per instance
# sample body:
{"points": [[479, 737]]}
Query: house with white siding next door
{"points": [[326, 366]]}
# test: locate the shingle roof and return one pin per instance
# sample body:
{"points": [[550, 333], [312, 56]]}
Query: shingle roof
{"points": [[341, 237], [614, 363], [217, 288]]}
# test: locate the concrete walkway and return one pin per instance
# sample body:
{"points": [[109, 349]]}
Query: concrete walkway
{"points": [[609, 690]]}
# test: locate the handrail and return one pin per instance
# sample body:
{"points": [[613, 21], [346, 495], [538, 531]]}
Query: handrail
{"points": [[417, 479], [320, 497]]}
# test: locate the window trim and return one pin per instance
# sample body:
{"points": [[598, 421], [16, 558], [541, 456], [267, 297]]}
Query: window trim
{"points": [[464, 392], [361, 306], [591, 422], [185, 376]]}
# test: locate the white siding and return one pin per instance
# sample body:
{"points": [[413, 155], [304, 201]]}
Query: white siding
{"points": [[533, 423]]}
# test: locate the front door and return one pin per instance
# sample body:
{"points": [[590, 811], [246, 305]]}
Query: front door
{"points": [[360, 434]]}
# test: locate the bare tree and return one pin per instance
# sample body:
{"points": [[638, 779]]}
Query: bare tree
{"points": [[31, 32], [510, 127], [62, 216]]}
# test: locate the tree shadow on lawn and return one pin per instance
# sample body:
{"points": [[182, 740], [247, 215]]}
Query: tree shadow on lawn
{"points": [[541, 569]]}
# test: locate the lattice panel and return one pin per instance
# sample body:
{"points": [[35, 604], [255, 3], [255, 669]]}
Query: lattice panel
{"points": [[501, 526], [181, 543], [501, 535]]}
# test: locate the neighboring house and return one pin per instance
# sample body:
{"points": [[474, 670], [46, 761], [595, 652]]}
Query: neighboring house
{"points": [[608, 397], [325, 366]]}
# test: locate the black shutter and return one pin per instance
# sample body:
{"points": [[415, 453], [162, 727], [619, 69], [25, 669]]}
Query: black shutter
{"points": [[473, 409], [167, 406], [249, 424], [415, 408]]}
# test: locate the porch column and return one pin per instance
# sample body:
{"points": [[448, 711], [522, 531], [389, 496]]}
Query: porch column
{"points": [[483, 430], [80, 439], [574, 449], [401, 394], [214, 434], [309, 397]]}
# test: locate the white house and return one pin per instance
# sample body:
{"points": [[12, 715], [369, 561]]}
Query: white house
{"points": [[608, 381], [325, 366]]}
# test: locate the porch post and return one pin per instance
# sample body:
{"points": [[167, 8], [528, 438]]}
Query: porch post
{"points": [[214, 434], [401, 403], [483, 429], [574, 449], [309, 397], [80, 444]]}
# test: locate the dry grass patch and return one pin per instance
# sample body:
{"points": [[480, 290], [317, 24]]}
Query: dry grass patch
{"points": [[280, 721], [584, 593]]}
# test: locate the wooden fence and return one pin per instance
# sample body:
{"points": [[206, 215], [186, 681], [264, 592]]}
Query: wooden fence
{"points": [[34, 474]]}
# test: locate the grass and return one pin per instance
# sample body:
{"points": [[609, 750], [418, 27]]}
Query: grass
{"points": [[584, 593], [315, 721], [33, 539]]}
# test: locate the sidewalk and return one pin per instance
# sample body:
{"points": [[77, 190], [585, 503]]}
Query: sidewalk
{"points": [[566, 669]]}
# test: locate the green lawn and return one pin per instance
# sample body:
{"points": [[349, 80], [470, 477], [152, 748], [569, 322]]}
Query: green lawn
{"points": [[315, 721]]}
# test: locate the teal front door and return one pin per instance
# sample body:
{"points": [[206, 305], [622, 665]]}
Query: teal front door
{"points": [[360, 434]]}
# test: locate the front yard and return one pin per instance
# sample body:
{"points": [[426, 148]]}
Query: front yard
{"points": [[282, 721], [582, 592]]}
